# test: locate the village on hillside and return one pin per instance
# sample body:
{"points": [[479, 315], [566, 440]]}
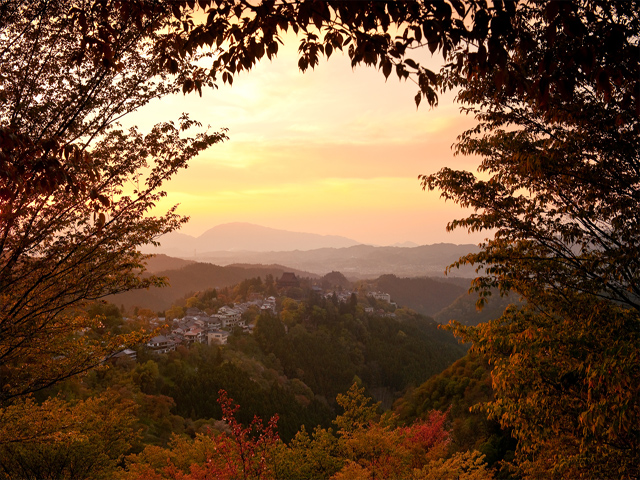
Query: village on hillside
{"points": [[198, 326]]}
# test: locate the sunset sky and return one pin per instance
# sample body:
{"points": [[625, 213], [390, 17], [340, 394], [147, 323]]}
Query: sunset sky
{"points": [[331, 151]]}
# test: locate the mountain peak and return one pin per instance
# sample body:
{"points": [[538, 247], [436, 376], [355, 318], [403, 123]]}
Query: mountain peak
{"points": [[240, 227], [241, 236]]}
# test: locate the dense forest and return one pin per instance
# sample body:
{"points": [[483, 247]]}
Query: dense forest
{"points": [[298, 366], [553, 88]]}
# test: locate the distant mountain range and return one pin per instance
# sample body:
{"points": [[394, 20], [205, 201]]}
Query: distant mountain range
{"points": [[235, 237], [359, 261], [244, 243]]}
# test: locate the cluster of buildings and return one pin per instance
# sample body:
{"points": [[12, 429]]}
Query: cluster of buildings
{"points": [[385, 297], [199, 327], [342, 296]]}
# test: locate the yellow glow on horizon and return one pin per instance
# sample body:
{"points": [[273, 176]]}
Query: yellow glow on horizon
{"points": [[331, 151], [322, 195]]}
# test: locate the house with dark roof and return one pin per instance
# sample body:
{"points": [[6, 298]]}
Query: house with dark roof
{"points": [[161, 344], [126, 353], [195, 335], [288, 279]]}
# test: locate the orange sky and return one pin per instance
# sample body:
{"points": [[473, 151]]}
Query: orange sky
{"points": [[331, 151]]}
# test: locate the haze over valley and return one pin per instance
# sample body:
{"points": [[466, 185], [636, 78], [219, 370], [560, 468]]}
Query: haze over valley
{"points": [[243, 243]]}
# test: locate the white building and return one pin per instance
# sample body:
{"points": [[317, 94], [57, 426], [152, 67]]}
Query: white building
{"points": [[385, 297], [218, 337], [229, 317]]}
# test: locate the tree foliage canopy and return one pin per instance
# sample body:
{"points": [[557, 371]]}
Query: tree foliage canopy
{"points": [[554, 87], [559, 190], [75, 193], [367, 447], [561, 170]]}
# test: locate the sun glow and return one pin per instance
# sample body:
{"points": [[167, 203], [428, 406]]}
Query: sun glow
{"points": [[330, 151]]}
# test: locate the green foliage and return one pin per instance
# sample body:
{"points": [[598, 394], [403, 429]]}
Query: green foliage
{"points": [[109, 315], [557, 131], [358, 410], [291, 312], [403, 354], [457, 390], [465, 310], [57, 439], [326, 349], [269, 332], [275, 372], [309, 456], [570, 395], [462, 466], [248, 286], [365, 446], [146, 376], [188, 376], [174, 312], [424, 295], [335, 280]]}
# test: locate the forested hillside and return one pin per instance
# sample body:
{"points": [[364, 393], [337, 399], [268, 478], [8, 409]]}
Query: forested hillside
{"points": [[425, 295], [161, 263], [552, 93], [192, 278], [464, 309], [456, 390], [293, 365]]}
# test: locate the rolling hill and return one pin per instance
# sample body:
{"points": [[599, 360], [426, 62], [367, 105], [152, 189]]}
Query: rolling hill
{"points": [[359, 261], [192, 278]]}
